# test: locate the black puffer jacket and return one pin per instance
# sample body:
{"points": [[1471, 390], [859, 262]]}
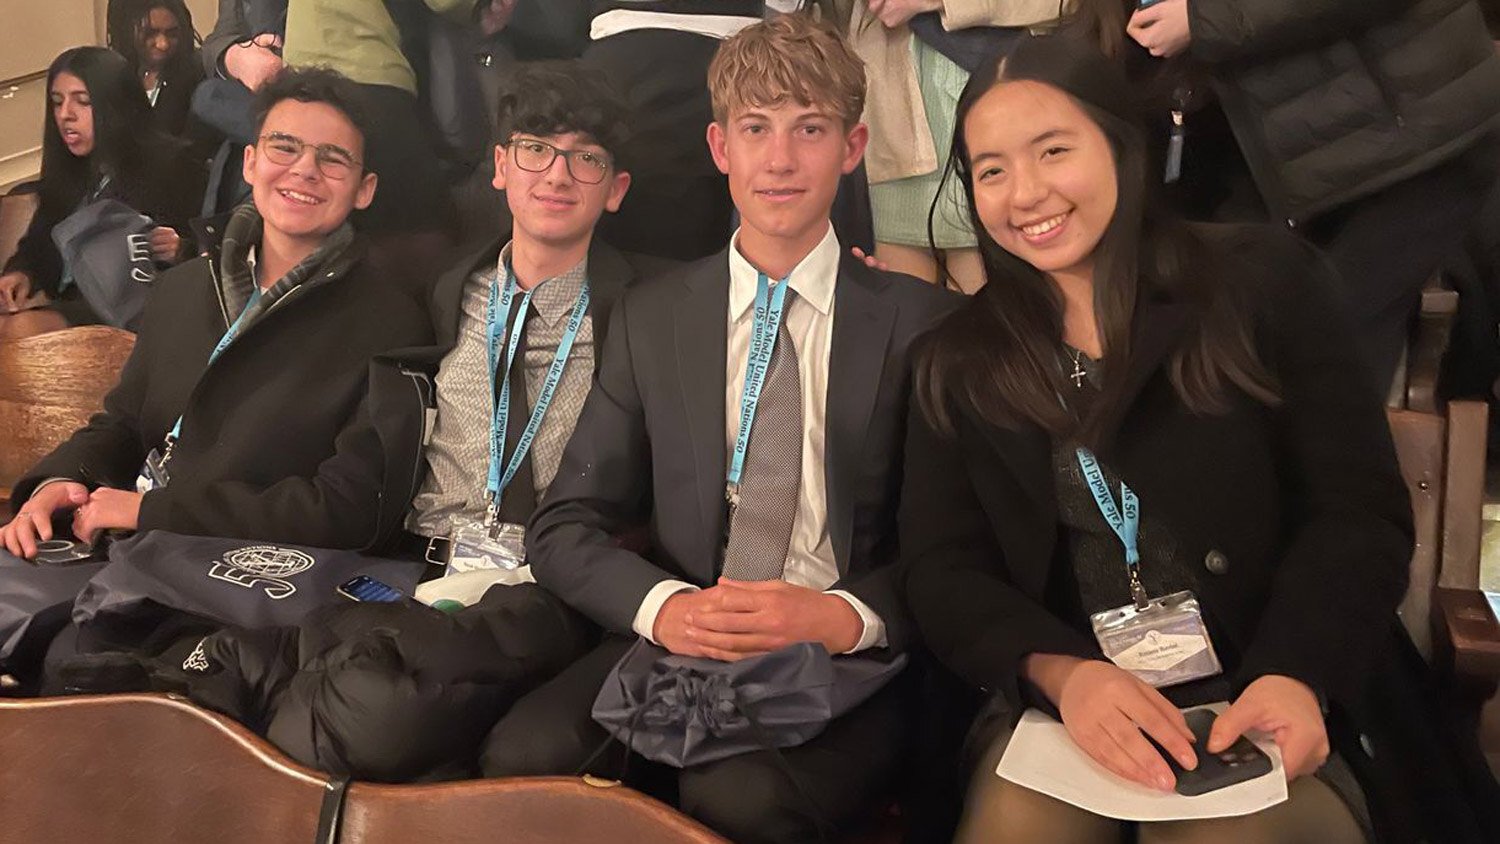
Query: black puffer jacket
{"points": [[386, 692], [1332, 100]]}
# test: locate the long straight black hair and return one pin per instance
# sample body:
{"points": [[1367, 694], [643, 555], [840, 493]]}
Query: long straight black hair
{"points": [[123, 136], [1001, 354]]}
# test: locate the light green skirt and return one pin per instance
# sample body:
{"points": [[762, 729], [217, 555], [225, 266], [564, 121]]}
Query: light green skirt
{"points": [[901, 207]]}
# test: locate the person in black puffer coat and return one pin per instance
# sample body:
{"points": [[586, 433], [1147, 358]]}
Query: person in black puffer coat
{"points": [[1366, 125]]}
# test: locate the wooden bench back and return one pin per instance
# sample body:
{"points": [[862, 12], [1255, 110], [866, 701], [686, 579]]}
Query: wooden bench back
{"points": [[528, 810], [122, 769]]}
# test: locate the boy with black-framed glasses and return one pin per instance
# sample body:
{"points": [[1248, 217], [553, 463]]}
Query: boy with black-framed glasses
{"points": [[520, 321]]}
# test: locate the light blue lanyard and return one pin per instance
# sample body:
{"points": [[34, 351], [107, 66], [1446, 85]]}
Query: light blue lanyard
{"points": [[1123, 518], [769, 304], [502, 299], [234, 329]]}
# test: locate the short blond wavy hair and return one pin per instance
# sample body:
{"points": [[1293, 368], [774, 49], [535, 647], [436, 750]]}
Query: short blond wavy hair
{"points": [[788, 57]]}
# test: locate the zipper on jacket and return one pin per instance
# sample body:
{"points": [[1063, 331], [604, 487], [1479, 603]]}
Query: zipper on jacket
{"points": [[213, 275], [426, 401]]}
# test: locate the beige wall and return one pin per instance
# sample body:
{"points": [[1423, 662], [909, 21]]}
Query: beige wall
{"points": [[33, 33]]}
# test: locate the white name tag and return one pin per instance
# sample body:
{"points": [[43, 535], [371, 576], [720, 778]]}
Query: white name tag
{"points": [[1165, 643], [477, 547]]}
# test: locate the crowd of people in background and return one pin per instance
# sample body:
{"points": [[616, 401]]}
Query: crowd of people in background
{"points": [[930, 332]]}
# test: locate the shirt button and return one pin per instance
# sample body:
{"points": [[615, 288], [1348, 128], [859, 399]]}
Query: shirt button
{"points": [[1216, 562]]}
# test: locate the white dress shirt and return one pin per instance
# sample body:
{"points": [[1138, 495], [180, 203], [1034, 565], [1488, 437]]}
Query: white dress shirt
{"points": [[809, 321]]}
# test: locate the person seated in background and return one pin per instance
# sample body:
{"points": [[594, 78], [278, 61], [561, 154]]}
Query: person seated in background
{"points": [[1141, 422], [1369, 128], [97, 143], [157, 38], [807, 554], [247, 408]]}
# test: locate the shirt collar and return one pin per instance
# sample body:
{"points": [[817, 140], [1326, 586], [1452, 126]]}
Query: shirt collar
{"points": [[812, 279], [555, 297]]}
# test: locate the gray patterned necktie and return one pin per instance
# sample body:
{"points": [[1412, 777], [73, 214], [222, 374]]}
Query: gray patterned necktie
{"points": [[760, 530]]}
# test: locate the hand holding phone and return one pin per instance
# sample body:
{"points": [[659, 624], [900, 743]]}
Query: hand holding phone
{"points": [[1238, 762], [1287, 708], [1162, 27]]}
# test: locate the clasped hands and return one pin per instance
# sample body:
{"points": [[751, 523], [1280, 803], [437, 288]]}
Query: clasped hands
{"points": [[1109, 712], [734, 619], [103, 509]]}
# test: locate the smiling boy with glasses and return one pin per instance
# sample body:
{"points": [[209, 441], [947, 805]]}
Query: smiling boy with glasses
{"points": [[562, 164], [518, 325], [243, 410]]}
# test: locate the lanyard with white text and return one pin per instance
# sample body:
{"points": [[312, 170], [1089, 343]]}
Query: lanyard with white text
{"points": [[502, 299], [234, 329], [769, 304], [1123, 518]]}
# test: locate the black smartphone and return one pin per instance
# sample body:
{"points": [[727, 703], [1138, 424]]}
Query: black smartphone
{"points": [[363, 587], [1236, 763], [1146, 4]]}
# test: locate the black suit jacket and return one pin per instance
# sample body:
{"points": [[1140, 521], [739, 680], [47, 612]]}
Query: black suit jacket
{"points": [[609, 272], [1295, 516], [649, 446]]}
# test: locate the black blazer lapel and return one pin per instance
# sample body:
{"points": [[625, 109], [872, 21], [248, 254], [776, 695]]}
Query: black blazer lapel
{"points": [[609, 272], [1158, 328], [863, 320], [448, 292], [1027, 545], [701, 326]]}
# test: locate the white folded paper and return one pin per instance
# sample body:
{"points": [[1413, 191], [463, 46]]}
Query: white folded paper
{"points": [[1042, 757]]}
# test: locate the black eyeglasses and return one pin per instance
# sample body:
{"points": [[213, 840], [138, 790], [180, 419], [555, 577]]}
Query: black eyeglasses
{"points": [[537, 156], [334, 162]]}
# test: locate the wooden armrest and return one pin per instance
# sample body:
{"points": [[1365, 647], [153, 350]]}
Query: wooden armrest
{"points": [[1428, 345], [1469, 628]]}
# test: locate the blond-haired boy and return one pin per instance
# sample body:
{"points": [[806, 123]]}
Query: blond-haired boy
{"points": [[805, 549]]}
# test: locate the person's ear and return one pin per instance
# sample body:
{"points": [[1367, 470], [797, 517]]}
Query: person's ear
{"points": [[855, 142], [366, 193], [718, 146], [619, 185], [247, 164], [500, 154]]}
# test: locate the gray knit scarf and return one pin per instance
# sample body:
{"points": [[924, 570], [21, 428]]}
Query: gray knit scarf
{"points": [[237, 279]]}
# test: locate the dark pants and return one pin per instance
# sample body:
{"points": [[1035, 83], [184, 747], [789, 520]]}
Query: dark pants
{"points": [[748, 798], [678, 205], [412, 194], [1387, 245]]}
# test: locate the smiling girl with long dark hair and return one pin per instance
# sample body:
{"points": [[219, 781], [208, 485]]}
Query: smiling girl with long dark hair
{"points": [[1141, 424]]}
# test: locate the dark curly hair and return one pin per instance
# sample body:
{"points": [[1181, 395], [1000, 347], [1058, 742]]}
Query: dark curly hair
{"points": [[315, 85], [124, 19], [557, 97]]}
